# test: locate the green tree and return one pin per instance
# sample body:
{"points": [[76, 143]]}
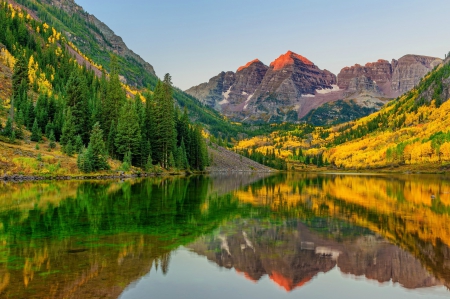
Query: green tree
{"points": [[52, 140], [35, 132], [84, 160], [126, 165], [68, 131], [78, 147], [115, 96], [77, 100], [20, 79], [110, 143], [68, 148], [98, 155], [8, 130], [164, 121], [149, 165], [128, 136]]}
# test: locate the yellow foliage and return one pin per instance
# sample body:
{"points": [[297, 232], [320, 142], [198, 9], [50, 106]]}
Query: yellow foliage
{"points": [[32, 69], [7, 59]]}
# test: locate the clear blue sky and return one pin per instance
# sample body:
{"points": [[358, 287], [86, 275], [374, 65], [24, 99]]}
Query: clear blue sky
{"points": [[196, 39]]}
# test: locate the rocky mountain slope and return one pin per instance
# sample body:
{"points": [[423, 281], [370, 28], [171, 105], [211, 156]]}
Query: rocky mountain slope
{"points": [[229, 88], [292, 88], [92, 37]]}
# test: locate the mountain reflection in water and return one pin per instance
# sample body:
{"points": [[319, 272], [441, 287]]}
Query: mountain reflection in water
{"points": [[101, 239]]}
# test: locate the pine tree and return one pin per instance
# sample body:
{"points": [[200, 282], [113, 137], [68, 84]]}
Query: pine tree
{"points": [[35, 132], [110, 143], [164, 121], [77, 100], [78, 144], [128, 136], [68, 148], [171, 160], [68, 131], [184, 159], [20, 79], [8, 130], [52, 140], [126, 161], [98, 156], [149, 164], [115, 96], [84, 160]]}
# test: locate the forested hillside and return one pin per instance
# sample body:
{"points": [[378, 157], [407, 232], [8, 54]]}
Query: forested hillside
{"points": [[411, 131], [84, 33], [54, 99]]}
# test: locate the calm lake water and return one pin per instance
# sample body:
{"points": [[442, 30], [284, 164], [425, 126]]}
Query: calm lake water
{"points": [[235, 236]]}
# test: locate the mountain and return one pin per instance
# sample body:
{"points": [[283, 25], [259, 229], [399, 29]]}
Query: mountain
{"points": [[257, 92], [293, 88]]}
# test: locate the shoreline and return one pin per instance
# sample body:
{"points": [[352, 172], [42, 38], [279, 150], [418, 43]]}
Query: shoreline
{"points": [[97, 176], [37, 177]]}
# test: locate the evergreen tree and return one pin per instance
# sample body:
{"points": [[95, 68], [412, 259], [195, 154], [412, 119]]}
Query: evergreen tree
{"points": [[184, 159], [8, 130], [171, 160], [68, 148], [35, 132], [115, 96], [128, 136], [97, 149], [84, 160], [68, 131], [126, 161], [19, 124], [52, 140], [78, 144], [110, 143], [20, 79], [149, 164], [76, 99], [164, 121]]}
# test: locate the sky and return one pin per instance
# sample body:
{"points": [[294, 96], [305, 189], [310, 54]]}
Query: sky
{"points": [[197, 39]]}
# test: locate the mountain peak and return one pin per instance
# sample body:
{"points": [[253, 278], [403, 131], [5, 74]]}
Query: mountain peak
{"points": [[247, 65], [287, 59]]}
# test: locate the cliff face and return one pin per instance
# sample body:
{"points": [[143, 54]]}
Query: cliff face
{"points": [[380, 72], [231, 88], [212, 92], [391, 79], [409, 69]]}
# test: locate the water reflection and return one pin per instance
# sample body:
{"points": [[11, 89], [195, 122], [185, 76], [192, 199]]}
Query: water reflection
{"points": [[93, 239]]}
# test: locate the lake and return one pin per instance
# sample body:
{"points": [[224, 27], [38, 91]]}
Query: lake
{"points": [[288, 235]]}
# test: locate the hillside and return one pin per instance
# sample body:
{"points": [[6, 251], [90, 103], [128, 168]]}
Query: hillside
{"points": [[411, 132], [59, 117], [95, 41]]}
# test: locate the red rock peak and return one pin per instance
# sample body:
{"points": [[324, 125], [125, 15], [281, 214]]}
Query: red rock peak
{"points": [[287, 59], [247, 65]]}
